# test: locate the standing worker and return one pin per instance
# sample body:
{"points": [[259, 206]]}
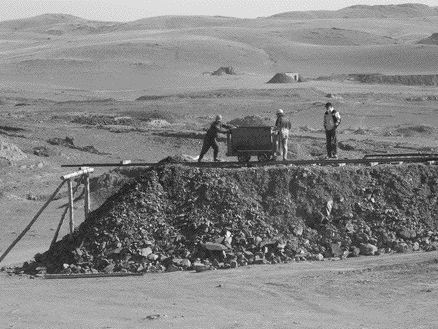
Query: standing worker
{"points": [[332, 119], [210, 139], [282, 128]]}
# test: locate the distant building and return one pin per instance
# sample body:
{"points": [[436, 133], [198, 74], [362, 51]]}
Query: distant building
{"points": [[294, 76]]}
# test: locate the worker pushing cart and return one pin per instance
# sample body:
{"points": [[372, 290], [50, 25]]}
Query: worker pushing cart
{"points": [[210, 139]]}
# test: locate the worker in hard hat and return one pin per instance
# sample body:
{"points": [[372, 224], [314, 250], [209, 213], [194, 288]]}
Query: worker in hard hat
{"points": [[281, 130], [210, 139]]}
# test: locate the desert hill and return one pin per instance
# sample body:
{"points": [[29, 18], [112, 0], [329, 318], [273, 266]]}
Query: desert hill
{"points": [[432, 40], [363, 11], [179, 22], [166, 53], [56, 24]]}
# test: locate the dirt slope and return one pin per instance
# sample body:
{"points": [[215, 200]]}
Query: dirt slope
{"points": [[398, 291]]}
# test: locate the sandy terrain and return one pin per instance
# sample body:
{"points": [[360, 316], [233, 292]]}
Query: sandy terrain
{"points": [[57, 70], [371, 292]]}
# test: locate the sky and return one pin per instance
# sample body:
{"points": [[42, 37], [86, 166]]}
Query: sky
{"points": [[128, 10]]}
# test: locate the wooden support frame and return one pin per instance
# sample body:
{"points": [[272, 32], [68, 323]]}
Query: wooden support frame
{"points": [[69, 178], [34, 219]]}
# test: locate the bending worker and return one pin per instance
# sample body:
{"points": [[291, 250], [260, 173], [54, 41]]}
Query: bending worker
{"points": [[210, 139], [282, 128]]}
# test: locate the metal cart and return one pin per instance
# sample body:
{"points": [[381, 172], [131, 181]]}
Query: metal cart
{"points": [[245, 142]]}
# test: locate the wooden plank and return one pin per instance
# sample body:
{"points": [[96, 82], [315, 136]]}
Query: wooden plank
{"points": [[87, 201], [231, 164], [55, 237], [384, 155], [70, 206], [90, 275], [34, 219]]}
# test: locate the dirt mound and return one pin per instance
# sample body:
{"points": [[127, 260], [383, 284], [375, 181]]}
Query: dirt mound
{"points": [[224, 70], [250, 121], [411, 131], [152, 115], [176, 159], [282, 78], [422, 98], [69, 142], [409, 80], [102, 120], [9, 152], [432, 40], [171, 217]]}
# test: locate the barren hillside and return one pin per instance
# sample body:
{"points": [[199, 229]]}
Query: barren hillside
{"points": [[173, 53]]}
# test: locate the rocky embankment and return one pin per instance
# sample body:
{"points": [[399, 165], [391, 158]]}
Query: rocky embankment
{"points": [[174, 217]]}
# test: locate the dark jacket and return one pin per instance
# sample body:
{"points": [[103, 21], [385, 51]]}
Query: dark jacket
{"points": [[281, 123], [215, 128], [331, 120]]}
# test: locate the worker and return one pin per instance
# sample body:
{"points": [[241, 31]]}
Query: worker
{"points": [[332, 119], [282, 129], [210, 139]]}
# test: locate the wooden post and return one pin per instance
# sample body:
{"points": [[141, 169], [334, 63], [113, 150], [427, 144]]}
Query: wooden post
{"points": [[87, 205], [31, 222], [55, 237], [70, 201]]}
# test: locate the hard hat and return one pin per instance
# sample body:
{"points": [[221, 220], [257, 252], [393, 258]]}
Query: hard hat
{"points": [[218, 117], [280, 112]]}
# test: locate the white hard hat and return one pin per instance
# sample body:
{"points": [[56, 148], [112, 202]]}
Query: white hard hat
{"points": [[280, 112], [218, 117]]}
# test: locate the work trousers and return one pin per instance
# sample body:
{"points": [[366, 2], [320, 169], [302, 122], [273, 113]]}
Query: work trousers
{"points": [[331, 143], [281, 146], [209, 142]]}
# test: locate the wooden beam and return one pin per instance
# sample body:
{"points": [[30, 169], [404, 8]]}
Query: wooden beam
{"points": [[70, 206], [78, 173], [234, 164], [55, 237], [90, 275], [66, 208], [387, 155], [87, 202]]}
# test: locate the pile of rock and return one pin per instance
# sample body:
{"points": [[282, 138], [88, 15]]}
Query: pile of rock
{"points": [[251, 121], [174, 217], [69, 142], [224, 70], [9, 152]]}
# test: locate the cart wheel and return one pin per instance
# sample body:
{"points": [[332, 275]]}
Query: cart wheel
{"points": [[263, 157], [243, 157]]}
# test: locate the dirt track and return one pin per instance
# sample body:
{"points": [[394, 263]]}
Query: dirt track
{"points": [[397, 291]]}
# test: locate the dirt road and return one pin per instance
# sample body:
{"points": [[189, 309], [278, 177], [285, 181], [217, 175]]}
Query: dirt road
{"points": [[391, 291]]}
